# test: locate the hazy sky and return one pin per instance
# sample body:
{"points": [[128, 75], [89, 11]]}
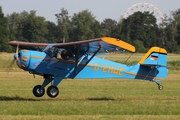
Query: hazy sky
{"points": [[101, 9]]}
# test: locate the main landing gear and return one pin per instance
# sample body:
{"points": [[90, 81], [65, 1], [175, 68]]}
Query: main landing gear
{"points": [[52, 91]]}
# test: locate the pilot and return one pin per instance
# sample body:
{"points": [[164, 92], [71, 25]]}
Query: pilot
{"points": [[66, 55], [56, 52]]}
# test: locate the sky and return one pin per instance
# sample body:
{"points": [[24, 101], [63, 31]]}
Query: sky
{"points": [[101, 9]]}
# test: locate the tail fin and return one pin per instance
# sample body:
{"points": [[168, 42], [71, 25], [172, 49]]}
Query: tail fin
{"points": [[154, 64], [155, 56]]}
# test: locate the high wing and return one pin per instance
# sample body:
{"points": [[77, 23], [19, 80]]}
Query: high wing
{"points": [[108, 40], [28, 45], [33, 44], [96, 42]]}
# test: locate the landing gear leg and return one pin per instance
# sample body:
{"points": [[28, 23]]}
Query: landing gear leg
{"points": [[53, 90]]}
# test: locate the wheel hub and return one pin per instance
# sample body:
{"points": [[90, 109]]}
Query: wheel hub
{"points": [[53, 91]]}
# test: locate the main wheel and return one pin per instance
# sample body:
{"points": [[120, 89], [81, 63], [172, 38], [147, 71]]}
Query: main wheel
{"points": [[37, 91], [52, 91]]}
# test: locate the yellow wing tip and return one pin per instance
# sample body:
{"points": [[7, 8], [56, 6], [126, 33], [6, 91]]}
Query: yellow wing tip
{"points": [[108, 38], [119, 43]]}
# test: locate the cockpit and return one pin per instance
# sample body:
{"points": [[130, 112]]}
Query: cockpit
{"points": [[60, 52], [72, 52]]}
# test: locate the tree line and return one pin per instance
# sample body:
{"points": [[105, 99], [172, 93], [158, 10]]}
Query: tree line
{"points": [[139, 29]]}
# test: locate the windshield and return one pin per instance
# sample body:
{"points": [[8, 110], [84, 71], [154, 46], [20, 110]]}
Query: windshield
{"points": [[50, 50]]}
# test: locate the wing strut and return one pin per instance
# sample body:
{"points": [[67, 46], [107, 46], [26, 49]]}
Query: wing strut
{"points": [[76, 64], [77, 54]]}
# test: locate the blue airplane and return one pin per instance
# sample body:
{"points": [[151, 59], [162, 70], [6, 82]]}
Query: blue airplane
{"points": [[80, 60]]}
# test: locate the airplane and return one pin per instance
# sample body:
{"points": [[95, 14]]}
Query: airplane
{"points": [[58, 61]]}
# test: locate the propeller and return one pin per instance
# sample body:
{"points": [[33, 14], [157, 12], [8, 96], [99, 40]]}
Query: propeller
{"points": [[16, 58], [11, 64]]}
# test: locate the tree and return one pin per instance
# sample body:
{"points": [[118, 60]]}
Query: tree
{"points": [[161, 35], [176, 22], [108, 27], [140, 26], [97, 29], [34, 28], [168, 33], [52, 35], [123, 30], [4, 33], [139, 46], [13, 25], [26, 26], [144, 28], [82, 23], [139, 29], [64, 26]]}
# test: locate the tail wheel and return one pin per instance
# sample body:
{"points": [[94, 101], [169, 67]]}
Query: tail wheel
{"points": [[52, 91], [160, 87], [37, 91]]}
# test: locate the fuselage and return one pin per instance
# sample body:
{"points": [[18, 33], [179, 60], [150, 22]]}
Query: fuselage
{"points": [[40, 63]]}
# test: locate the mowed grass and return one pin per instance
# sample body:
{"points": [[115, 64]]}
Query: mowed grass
{"points": [[101, 99]]}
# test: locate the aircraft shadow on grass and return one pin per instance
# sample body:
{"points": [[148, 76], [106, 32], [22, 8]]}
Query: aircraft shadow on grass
{"points": [[100, 99], [15, 98], [18, 98]]}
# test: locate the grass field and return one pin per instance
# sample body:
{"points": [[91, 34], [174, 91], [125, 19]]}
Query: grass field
{"points": [[90, 99]]}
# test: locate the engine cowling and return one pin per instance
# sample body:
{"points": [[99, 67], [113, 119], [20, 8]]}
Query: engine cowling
{"points": [[24, 59]]}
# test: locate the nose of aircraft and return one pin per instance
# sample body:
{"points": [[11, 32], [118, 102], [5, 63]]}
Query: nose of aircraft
{"points": [[22, 59]]}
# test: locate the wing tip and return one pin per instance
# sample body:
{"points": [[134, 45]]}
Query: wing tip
{"points": [[119, 43]]}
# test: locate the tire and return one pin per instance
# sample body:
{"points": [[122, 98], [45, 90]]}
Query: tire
{"points": [[52, 91], [37, 92], [160, 87]]}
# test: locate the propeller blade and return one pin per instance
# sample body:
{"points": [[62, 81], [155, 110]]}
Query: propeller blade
{"points": [[17, 56], [18, 62], [15, 59], [10, 66]]}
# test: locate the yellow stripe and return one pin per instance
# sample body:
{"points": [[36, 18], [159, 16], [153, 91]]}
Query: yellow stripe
{"points": [[41, 57], [25, 50]]}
